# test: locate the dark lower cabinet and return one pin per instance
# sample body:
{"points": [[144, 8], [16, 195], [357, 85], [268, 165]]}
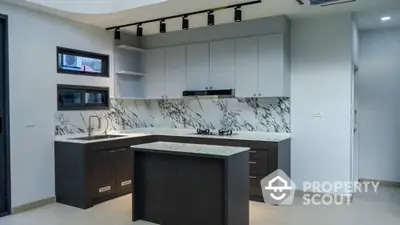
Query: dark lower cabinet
{"points": [[102, 173], [87, 174], [123, 164]]}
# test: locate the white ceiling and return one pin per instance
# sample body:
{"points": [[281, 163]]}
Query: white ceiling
{"points": [[265, 9], [370, 20], [94, 6]]}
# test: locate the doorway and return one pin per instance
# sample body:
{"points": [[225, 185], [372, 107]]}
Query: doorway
{"points": [[5, 197]]}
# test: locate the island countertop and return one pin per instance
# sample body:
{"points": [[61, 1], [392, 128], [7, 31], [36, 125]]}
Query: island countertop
{"points": [[196, 149]]}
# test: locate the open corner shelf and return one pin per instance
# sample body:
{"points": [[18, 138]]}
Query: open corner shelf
{"points": [[128, 47], [131, 73]]}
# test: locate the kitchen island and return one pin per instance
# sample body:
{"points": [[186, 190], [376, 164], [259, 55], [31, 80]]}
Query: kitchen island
{"points": [[180, 184]]}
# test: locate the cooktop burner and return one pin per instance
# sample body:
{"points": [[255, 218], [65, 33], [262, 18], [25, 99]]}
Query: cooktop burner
{"points": [[221, 132], [204, 131]]}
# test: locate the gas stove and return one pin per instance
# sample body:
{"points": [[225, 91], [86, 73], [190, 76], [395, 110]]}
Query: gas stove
{"points": [[221, 132]]}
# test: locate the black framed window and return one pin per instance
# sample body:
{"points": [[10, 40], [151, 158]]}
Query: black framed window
{"points": [[71, 97], [78, 62]]}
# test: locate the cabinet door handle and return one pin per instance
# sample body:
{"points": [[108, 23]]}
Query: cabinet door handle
{"points": [[104, 189], [253, 152], [252, 162], [252, 177], [1, 125], [119, 150], [124, 183]]}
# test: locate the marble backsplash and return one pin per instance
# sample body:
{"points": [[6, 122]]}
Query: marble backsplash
{"points": [[250, 114]]}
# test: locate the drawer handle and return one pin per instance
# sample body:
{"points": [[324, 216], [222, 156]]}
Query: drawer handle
{"points": [[104, 189], [252, 162], [251, 177], [124, 183], [119, 150]]}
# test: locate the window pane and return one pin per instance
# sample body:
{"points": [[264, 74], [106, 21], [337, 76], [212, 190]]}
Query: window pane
{"points": [[72, 97], [80, 63], [69, 97], [98, 98]]}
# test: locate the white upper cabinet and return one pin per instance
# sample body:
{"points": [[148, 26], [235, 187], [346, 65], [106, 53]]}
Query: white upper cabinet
{"points": [[176, 71], [222, 65], [197, 66], [246, 75], [154, 85], [254, 67], [271, 69]]}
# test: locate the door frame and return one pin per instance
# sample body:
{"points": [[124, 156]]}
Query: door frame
{"points": [[6, 124]]}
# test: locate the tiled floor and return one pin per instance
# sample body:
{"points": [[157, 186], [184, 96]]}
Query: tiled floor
{"points": [[382, 208]]}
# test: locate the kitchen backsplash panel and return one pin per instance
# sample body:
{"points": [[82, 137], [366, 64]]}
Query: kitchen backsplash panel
{"points": [[249, 114]]}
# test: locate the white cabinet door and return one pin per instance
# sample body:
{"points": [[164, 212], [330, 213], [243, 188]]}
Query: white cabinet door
{"points": [[246, 76], [197, 66], [154, 81], [222, 65], [176, 71], [270, 65]]}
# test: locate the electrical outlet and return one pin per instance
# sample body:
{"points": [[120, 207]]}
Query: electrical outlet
{"points": [[317, 114]]}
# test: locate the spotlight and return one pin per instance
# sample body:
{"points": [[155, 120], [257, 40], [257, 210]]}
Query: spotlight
{"points": [[238, 14], [185, 23], [386, 18], [117, 34], [163, 26], [139, 30], [210, 20]]}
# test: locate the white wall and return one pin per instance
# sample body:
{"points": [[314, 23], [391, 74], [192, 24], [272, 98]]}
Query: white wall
{"points": [[321, 58], [33, 38], [377, 87]]}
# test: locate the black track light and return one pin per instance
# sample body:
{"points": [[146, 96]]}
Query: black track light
{"points": [[210, 18], [139, 30], [117, 34], [238, 14], [163, 26], [185, 23]]}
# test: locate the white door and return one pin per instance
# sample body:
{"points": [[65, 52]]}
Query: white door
{"points": [[222, 65], [176, 71], [154, 81], [197, 66], [246, 76], [270, 65]]}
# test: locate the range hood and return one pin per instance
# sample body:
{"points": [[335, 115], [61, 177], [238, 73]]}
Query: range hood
{"points": [[225, 93]]}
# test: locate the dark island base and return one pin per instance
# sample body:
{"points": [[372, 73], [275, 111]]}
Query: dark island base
{"points": [[181, 189]]}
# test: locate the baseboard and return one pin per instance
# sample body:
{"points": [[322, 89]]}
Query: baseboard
{"points": [[382, 182], [33, 205], [348, 198]]}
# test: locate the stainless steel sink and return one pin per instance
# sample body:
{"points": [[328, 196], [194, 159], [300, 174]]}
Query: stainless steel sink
{"points": [[97, 137]]}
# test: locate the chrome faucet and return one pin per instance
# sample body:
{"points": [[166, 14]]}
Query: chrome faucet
{"points": [[90, 128]]}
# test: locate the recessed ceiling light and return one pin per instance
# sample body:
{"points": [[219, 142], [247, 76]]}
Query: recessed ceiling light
{"points": [[386, 18]]}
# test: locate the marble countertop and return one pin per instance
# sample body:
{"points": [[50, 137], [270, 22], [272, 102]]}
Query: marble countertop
{"points": [[251, 136], [191, 148]]}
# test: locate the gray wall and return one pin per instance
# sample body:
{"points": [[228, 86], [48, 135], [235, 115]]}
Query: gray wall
{"points": [[270, 25]]}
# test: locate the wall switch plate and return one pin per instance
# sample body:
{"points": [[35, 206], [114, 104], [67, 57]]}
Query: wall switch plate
{"points": [[317, 114]]}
